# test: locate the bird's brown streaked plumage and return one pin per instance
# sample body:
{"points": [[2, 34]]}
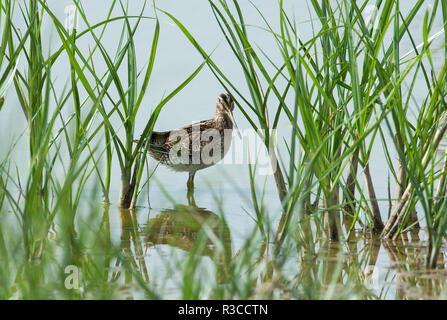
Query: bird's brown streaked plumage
{"points": [[191, 140]]}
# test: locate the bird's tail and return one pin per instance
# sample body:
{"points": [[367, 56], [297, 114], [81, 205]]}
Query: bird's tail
{"points": [[157, 138], [157, 145]]}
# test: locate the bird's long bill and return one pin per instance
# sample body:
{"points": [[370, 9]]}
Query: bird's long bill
{"points": [[235, 125]]}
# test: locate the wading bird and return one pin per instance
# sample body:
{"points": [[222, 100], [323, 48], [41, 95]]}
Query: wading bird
{"points": [[197, 146]]}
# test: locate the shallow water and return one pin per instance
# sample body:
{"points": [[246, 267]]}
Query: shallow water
{"points": [[359, 268]]}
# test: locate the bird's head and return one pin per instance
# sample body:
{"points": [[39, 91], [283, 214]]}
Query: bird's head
{"points": [[225, 105], [225, 102]]}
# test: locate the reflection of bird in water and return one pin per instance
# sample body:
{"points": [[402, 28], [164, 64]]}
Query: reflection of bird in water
{"points": [[181, 227], [196, 146]]}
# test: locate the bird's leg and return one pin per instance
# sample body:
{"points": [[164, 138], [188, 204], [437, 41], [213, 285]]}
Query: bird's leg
{"points": [[190, 185]]}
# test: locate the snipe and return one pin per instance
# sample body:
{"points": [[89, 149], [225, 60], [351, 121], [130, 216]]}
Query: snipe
{"points": [[197, 146]]}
